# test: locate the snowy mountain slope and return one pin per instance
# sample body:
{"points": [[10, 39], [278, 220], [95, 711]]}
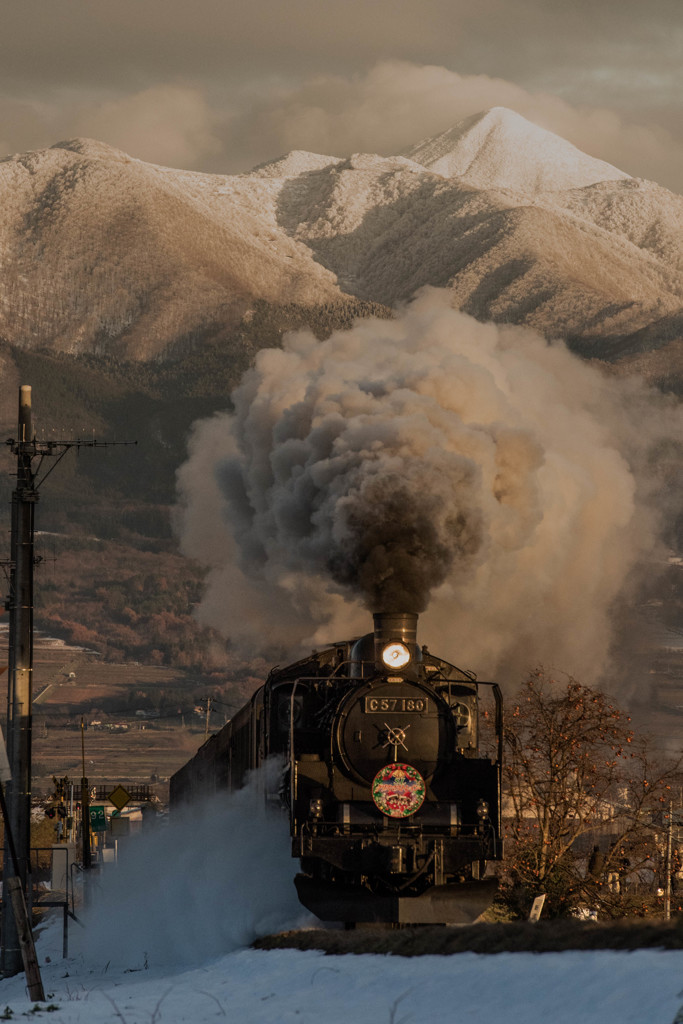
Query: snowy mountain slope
{"points": [[498, 148], [639, 211], [103, 253], [385, 232], [544, 269], [97, 248]]}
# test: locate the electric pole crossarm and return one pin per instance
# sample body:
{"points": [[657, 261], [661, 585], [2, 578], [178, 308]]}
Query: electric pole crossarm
{"points": [[43, 449]]}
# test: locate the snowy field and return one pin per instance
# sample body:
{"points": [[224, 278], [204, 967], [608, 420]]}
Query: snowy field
{"points": [[254, 987], [166, 939]]}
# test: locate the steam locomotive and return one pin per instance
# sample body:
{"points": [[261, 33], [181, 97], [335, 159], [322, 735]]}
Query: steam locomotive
{"points": [[393, 800]]}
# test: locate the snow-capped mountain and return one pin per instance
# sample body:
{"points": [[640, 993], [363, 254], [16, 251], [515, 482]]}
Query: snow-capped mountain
{"points": [[101, 252], [501, 149]]}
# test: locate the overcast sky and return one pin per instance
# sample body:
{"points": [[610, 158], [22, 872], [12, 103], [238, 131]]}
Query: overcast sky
{"points": [[220, 85]]}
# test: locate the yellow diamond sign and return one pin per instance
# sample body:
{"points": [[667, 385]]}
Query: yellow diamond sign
{"points": [[119, 797]]}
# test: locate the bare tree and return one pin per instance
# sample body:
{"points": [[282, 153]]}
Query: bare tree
{"points": [[573, 770]]}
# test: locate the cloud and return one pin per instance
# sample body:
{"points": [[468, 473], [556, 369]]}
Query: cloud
{"points": [[169, 124], [314, 66], [71, 43], [166, 124], [136, 44], [385, 109], [397, 103], [27, 124]]}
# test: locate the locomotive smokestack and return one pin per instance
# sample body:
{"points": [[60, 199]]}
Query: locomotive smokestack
{"points": [[394, 627]]}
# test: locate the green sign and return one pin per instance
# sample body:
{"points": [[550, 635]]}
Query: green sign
{"points": [[98, 819]]}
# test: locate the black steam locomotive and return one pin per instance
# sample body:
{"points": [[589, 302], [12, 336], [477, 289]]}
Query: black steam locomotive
{"points": [[394, 805]]}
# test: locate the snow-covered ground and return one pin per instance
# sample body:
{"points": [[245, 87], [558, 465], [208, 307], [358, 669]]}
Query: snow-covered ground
{"points": [[42, 642], [167, 933], [254, 987]]}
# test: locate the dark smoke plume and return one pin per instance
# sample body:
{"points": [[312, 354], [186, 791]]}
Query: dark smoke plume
{"points": [[435, 464], [396, 550]]}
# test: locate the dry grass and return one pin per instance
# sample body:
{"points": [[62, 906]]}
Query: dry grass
{"points": [[510, 937]]}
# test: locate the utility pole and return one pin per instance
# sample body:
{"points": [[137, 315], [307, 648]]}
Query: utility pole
{"points": [[13, 892], [669, 845], [28, 450], [19, 676]]}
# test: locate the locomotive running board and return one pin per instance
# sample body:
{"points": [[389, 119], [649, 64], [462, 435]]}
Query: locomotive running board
{"points": [[459, 903]]}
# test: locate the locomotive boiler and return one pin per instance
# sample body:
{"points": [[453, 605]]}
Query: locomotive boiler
{"points": [[391, 776]]}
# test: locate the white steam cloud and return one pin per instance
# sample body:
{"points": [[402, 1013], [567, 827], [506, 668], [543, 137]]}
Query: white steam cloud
{"points": [[212, 880], [430, 463]]}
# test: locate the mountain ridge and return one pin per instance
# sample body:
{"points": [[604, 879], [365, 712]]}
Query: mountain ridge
{"points": [[106, 254]]}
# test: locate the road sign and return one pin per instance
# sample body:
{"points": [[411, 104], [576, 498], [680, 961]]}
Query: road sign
{"points": [[120, 827], [119, 797], [98, 819], [537, 907]]}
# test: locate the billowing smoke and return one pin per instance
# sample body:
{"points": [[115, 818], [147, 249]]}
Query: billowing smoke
{"points": [[429, 463]]}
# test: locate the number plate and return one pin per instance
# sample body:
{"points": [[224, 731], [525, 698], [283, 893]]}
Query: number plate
{"points": [[387, 705]]}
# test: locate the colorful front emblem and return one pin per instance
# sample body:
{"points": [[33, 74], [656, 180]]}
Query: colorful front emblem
{"points": [[398, 790]]}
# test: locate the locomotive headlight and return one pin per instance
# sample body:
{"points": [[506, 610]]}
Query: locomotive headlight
{"points": [[483, 810], [395, 655]]}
